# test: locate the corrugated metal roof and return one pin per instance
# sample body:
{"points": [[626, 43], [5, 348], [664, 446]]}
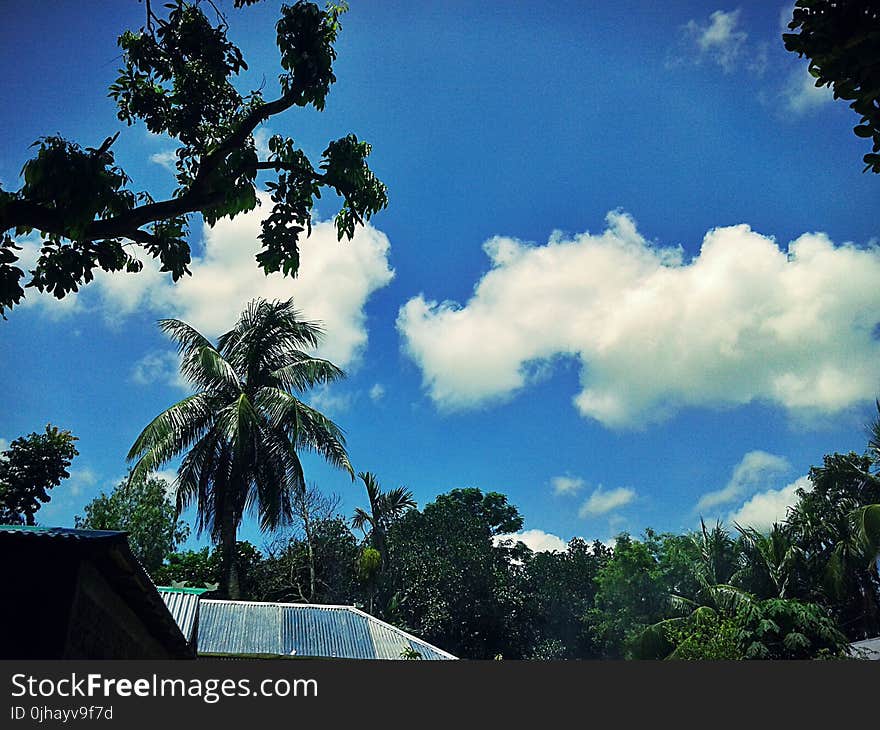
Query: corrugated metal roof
{"points": [[184, 607], [867, 648], [302, 630], [64, 532]]}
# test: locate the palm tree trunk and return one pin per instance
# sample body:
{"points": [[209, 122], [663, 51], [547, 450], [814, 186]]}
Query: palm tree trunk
{"points": [[229, 585]]}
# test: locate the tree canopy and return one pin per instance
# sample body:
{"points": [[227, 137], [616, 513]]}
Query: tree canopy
{"points": [[29, 468], [178, 78], [143, 509]]}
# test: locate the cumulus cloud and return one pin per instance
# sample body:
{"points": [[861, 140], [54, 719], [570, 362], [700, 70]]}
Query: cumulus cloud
{"points": [[744, 320], [377, 392], [801, 93], [335, 280], [754, 470], [765, 508], [537, 541], [719, 40], [602, 501], [566, 485]]}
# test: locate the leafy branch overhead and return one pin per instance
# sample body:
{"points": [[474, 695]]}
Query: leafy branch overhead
{"points": [[841, 39], [177, 78]]}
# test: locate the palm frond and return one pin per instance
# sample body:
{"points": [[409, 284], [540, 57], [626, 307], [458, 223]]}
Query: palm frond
{"points": [[170, 433]]}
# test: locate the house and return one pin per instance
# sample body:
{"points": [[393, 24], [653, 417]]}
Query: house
{"points": [[242, 629], [81, 594]]}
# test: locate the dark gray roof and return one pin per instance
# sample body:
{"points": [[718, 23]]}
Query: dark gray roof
{"points": [[302, 630], [112, 555]]}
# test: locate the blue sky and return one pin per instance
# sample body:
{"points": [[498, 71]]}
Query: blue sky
{"points": [[627, 275]]}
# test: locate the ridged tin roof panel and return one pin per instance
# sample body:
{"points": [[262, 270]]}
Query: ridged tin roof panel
{"points": [[302, 630], [230, 627], [184, 607]]}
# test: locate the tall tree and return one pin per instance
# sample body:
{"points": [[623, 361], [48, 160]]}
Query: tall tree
{"points": [[142, 508], [385, 507], [456, 585], [841, 570], [240, 434], [562, 588], [177, 77], [29, 468], [841, 38]]}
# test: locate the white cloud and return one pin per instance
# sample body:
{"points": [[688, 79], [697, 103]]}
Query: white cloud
{"points": [[743, 321], [719, 40], [801, 93], [329, 401], [601, 501], [754, 470], [4, 444], [335, 280], [79, 479], [377, 392], [765, 508], [166, 159], [566, 485], [159, 367], [537, 541]]}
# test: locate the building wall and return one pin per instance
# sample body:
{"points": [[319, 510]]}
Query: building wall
{"points": [[102, 626]]}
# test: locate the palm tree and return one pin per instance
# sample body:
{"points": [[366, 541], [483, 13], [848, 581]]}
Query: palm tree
{"points": [[385, 507], [771, 562], [241, 432], [713, 597]]}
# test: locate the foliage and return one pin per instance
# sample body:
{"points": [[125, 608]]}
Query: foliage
{"points": [[385, 507], [315, 562], [772, 564], [142, 508], [177, 77], [630, 597], [562, 588], [841, 38], [789, 629], [454, 585], [29, 468], [706, 636], [241, 431], [203, 568], [839, 567]]}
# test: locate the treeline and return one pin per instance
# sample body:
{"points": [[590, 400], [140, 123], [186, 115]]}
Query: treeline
{"points": [[804, 589]]}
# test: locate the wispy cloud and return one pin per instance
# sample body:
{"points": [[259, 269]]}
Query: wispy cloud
{"points": [[754, 470], [330, 401], [719, 39], [603, 501], [159, 367], [166, 159], [801, 93], [565, 485], [377, 392]]}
